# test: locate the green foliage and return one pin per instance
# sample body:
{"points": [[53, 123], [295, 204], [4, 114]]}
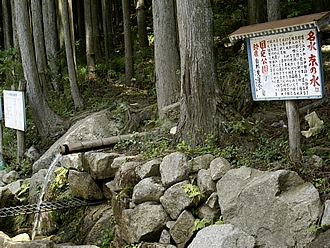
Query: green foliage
{"points": [[316, 228], [228, 16], [11, 70], [193, 192], [293, 8], [108, 235], [210, 146], [25, 167], [219, 221], [322, 184], [235, 127], [60, 182], [25, 187], [200, 224], [127, 190]]}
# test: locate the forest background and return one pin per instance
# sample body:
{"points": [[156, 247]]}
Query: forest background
{"points": [[81, 56]]}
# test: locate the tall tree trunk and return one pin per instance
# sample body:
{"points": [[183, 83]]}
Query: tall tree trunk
{"points": [[142, 24], [7, 24], [47, 122], [95, 10], [51, 40], [117, 15], [59, 23], [198, 78], [167, 57], [89, 31], [129, 68], [15, 34], [107, 28], [273, 10], [80, 19], [39, 44], [257, 11], [70, 55]]}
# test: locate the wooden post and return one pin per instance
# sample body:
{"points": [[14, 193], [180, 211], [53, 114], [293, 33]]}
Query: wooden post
{"points": [[1, 139], [20, 134], [292, 112]]}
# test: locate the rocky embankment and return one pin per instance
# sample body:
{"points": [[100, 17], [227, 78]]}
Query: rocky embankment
{"points": [[171, 201]]}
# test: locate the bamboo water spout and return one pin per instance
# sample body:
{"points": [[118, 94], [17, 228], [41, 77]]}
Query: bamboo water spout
{"points": [[84, 146]]}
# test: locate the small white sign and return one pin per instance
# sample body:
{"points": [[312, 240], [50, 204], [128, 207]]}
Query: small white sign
{"points": [[14, 109], [286, 66]]}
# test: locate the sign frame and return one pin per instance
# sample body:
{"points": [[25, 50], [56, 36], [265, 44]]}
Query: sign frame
{"points": [[269, 96], [14, 109]]}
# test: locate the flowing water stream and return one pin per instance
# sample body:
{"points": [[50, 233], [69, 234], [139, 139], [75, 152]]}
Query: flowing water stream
{"points": [[36, 224]]}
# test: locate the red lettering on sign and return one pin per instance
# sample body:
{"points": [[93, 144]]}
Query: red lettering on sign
{"points": [[311, 36], [314, 81], [312, 60]]}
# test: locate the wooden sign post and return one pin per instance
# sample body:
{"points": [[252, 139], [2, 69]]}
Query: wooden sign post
{"points": [[21, 134], [285, 64]]}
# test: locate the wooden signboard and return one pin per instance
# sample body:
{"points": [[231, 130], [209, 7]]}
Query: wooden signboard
{"points": [[14, 109], [286, 66]]}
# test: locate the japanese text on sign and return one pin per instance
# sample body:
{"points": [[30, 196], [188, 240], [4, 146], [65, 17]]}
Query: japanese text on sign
{"points": [[286, 66], [14, 109]]}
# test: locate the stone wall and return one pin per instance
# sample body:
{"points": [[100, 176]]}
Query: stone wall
{"points": [[166, 202]]}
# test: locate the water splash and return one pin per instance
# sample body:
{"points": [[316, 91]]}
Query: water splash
{"points": [[36, 224]]}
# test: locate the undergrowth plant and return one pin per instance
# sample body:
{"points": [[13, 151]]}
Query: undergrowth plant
{"points": [[193, 191], [107, 234]]}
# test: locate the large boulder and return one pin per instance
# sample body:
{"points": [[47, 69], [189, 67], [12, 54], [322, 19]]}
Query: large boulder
{"points": [[98, 125], [201, 162], [183, 229], [72, 161], [38, 182], [82, 185], [149, 169], [321, 241], [148, 189], [326, 214], [145, 222], [97, 220], [175, 199], [126, 176], [205, 183], [275, 207], [222, 236], [98, 164], [174, 168]]}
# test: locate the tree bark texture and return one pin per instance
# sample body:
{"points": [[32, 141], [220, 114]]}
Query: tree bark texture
{"points": [[142, 24], [198, 78], [7, 24], [51, 37], [46, 120], [107, 28], [273, 10], [96, 19], [15, 34], [129, 68], [39, 44], [257, 11], [166, 51], [70, 56], [89, 33]]}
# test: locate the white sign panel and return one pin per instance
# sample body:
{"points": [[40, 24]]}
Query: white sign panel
{"points": [[14, 109], [286, 66]]}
